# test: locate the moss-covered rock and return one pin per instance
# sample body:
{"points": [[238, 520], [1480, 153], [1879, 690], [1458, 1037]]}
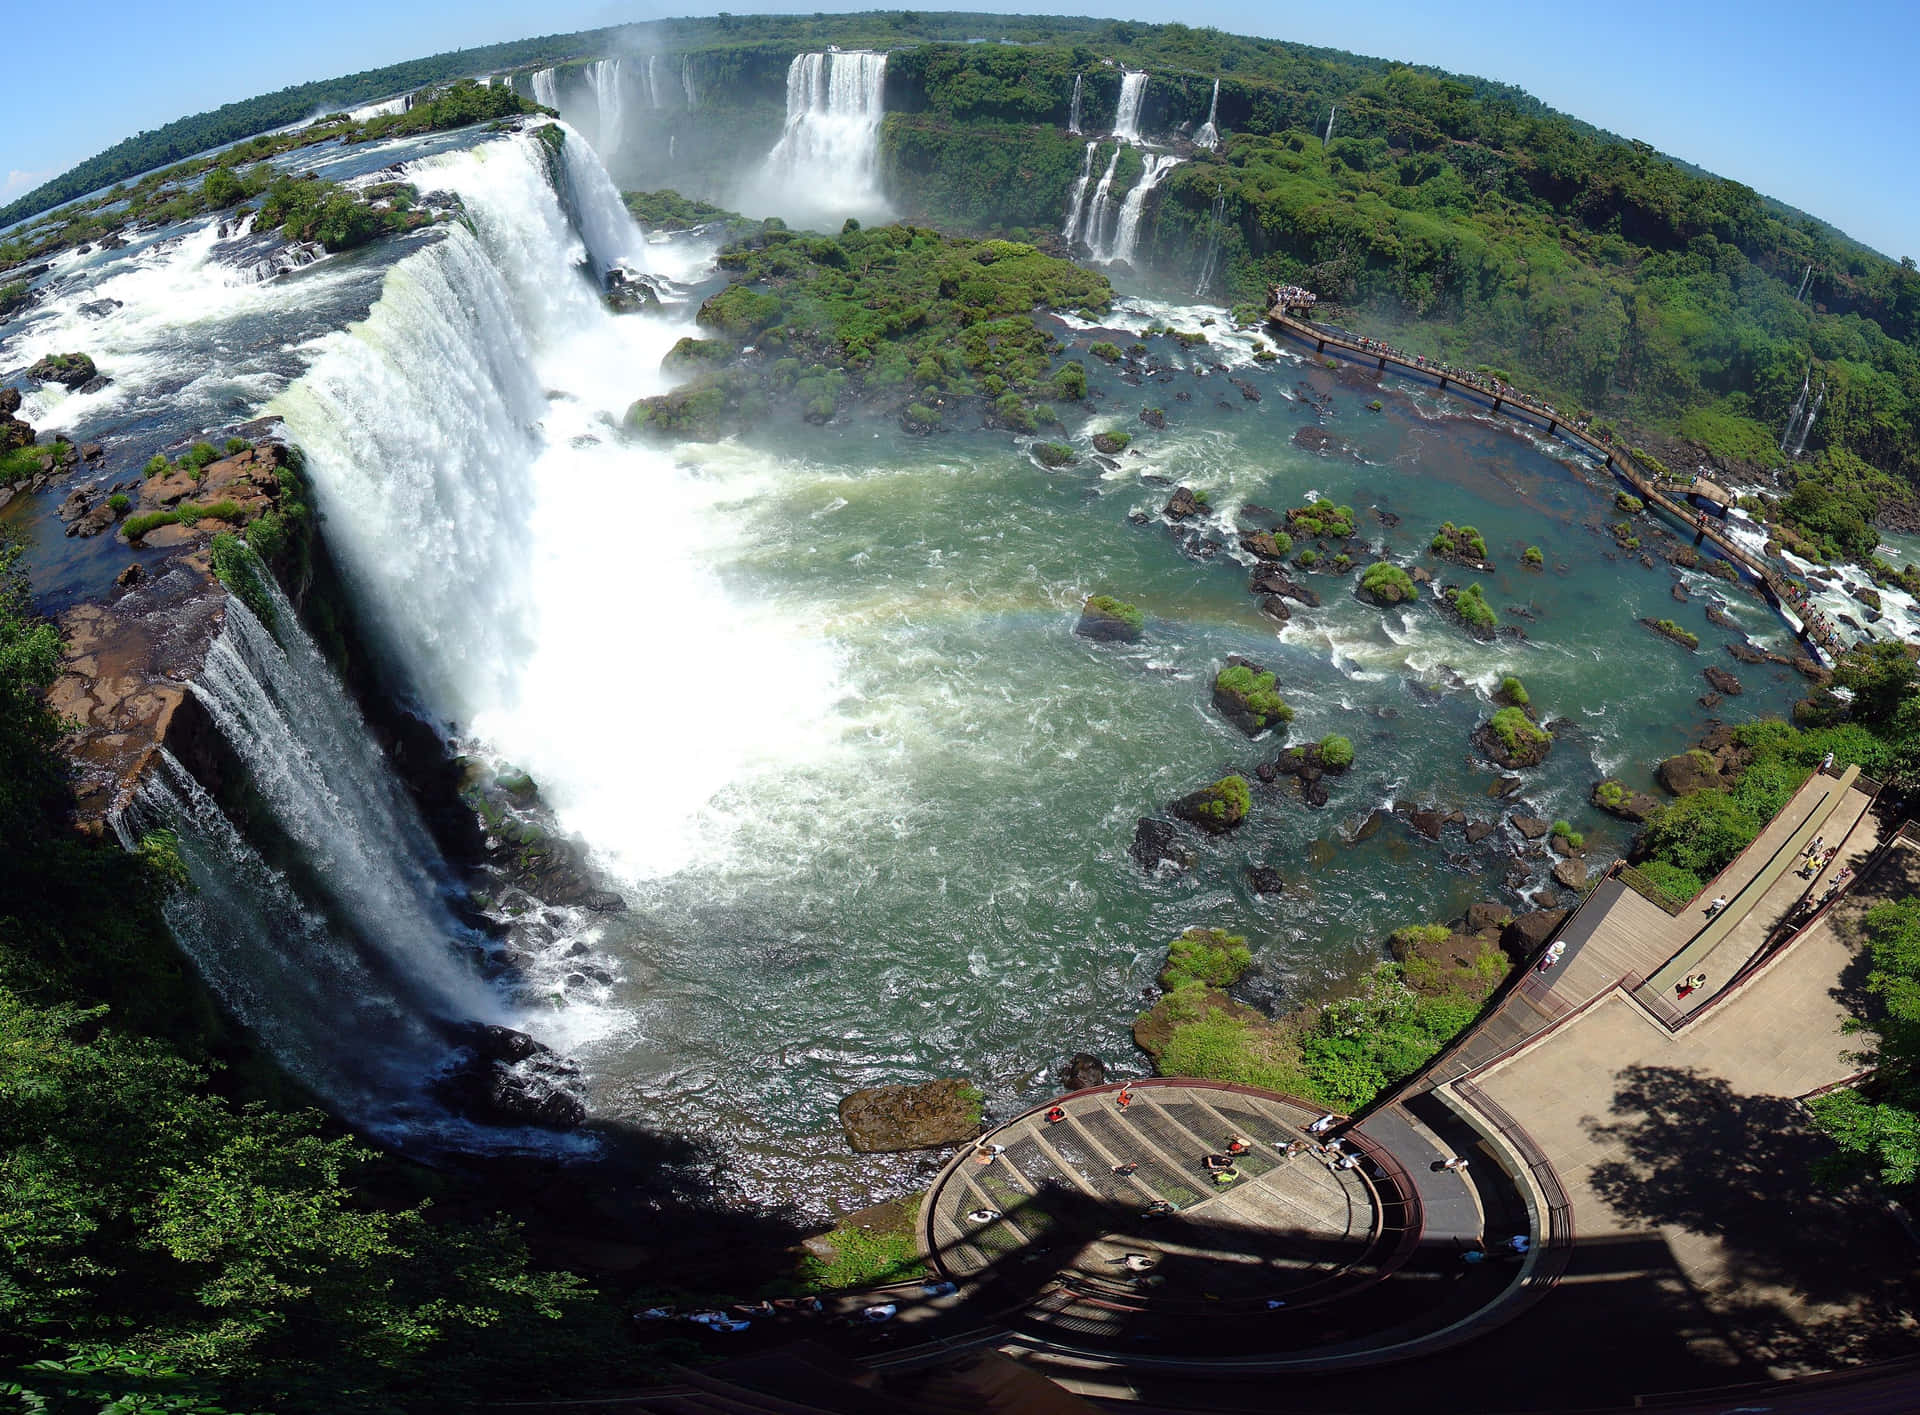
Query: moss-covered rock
{"points": [[1112, 443], [887, 1119], [1213, 958], [1218, 808], [1470, 609], [1245, 694], [1510, 739], [1667, 629], [1108, 619], [1385, 585], [1320, 520], [1463, 545], [1054, 454], [1616, 799]]}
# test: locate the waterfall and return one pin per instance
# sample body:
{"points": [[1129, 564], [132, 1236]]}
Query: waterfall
{"points": [[1209, 136], [1819, 397], [1216, 226], [655, 99], [1076, 212], [1805, 280], [1126, 118], [686, 82], [1073, 109], [610, 105], [546, 89], [825, 165], [1126, 234], [1799, 407], [1098, 207], [462, 446], [1329, 136]]}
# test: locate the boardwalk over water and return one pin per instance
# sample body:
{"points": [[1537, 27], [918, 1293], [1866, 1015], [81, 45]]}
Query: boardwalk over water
{"points": [[1667, 495]]}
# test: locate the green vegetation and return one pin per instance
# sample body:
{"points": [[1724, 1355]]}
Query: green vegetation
{"points": [[1512, 692], [1103, 350], [1387, 584], [893, 315], [1680, 885], [119, 503], [1054, 454], [864, 1258], [310, 209], [1516, 731], [1628, 502], [1459, 542], [1213, 958], [1112, 442], [1321, 520], [1563, 831], [669, 211], [1255, 692], [1472, 607], [1611, 793], [1336, 752], [1534, 557], [185, 514], [1107, 607], [1876, 1124], [1668, 629], [1225, 803], [21, 463]]}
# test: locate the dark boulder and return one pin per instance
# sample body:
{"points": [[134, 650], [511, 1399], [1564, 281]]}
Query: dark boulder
{"points": [[1264, 879], [1182, 504], [1484, 916], [1528, 933], [1724, 682], [70, 370], [1155, 842], [504, 1077], [1218, 808], [1531, 827], [1153, 417], [1083, 1072], [1478, 831], [1616, 800], [1108, 620], [1689, 772], [1571, 872]]}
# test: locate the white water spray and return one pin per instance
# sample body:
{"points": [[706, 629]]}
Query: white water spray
{"points": [[1076, 199], [1126, 118], [1216, 236], [1073, 109], [825, 167], [1329, 134], [686, 83], [1126, 233], [609, 104], [546, 89], [1209, 136], [1099, 205]]}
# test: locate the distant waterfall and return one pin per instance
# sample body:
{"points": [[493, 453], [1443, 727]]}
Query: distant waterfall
{"points": [[1076, 199], [655, 98], [826, 164], [609, 105], [1073, 109], [1209, 136], [1819, 397], [1126, 233], [1329, 135], [686, 82], [1126, 118], [1216, 233], [1805, 280], [546, 89], [1799, 407]]}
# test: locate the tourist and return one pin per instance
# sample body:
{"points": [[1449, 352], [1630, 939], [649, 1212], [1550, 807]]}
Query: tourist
{"points": [[1347, 1162], [982, 1215], [1136, 1262], [1217, 1162], [1274, 1304], [1223, 1177], [1454, 1162], [1719, 903], [1554, 952], [1123, 1170], [939, 1289], [1237, 1146], [987, 1154], [1159, 1208], [1125, 1098], [1826, 762], [1474, 1255], [1520, 1242], [881, 1313], [1322, 1125], [1056, 1115], [1690, 984]]}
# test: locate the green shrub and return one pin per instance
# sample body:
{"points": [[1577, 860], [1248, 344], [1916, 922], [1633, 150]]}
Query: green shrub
{"points": [[1534, 556], [1628, 502], [1472, 607], [1256, 691], [134, 527], [1053, 454], [1459, 540], [237, 445], [1567, 833], [1387, 583], [864, 1258], [1512, 692], [1111, 608], [1211, 957], [1104, 350], [920, 415], [1070, 383], [1321, 520], [1680, 885], [120, 503], [1226, 802], [1336, 752], [1675, 632], [1515, 729], [157, 466]]}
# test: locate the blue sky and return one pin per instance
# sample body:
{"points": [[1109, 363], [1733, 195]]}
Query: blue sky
{"points": [[1818, 105]]}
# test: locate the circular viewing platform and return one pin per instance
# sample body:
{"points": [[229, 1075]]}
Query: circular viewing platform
{"points": [[1106, 1224]]}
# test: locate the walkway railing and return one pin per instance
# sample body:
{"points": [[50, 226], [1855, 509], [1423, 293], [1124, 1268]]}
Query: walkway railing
{"points": [[1779, 592]]}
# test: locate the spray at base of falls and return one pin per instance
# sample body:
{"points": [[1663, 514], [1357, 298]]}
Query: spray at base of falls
{"points": [[1126, 118], [1209, 136], [825, 166]]}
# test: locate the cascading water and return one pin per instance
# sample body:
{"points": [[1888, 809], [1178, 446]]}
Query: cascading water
{"points": [[826, 164], [1099, 205], [470, 514], [1073, 109], [686, 82], [655, 98], [1076, 199], [1126, 118], [1329, 134], [1798, 408], [609, 104], [1813, 412], [546, 89], [1126, 232], [1216, 234], [1209, 136]]}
